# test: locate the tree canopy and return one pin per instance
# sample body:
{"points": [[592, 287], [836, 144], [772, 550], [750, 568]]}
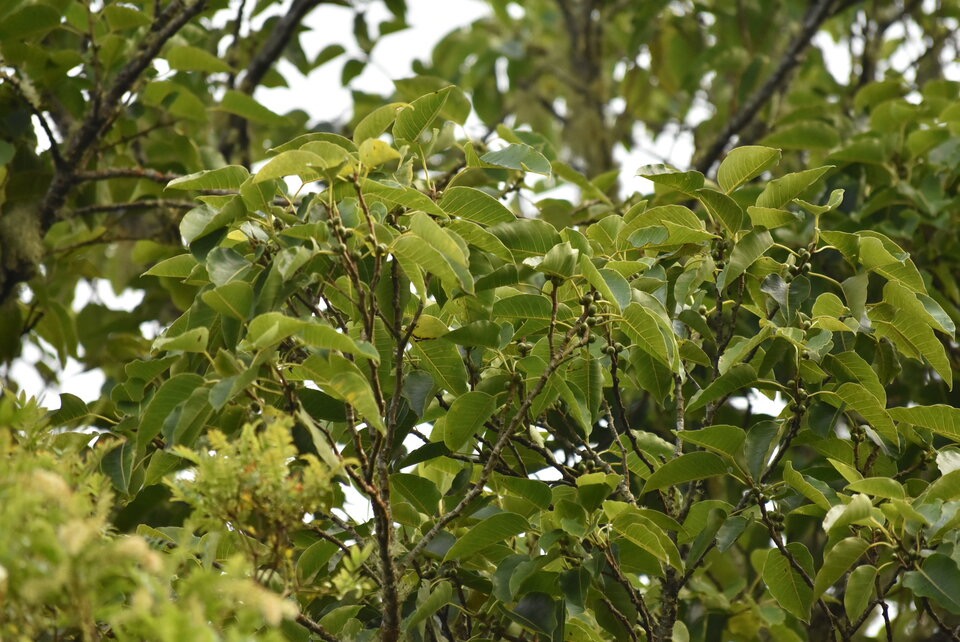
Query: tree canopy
{"points": [[432, 372]]}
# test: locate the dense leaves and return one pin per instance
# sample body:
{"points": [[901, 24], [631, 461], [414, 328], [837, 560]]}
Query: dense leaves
{"points": [[415, 383]]}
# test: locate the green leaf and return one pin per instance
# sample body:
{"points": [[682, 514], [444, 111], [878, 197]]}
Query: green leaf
{"points": [[177, 267], [878, 487], [399, 195], [466, 416], [804, 135], [233, 299], [720, 438], [862, 401], [938, 579], [230, 177], [770, 218], [419, 491], [492, 530], [342, 380], [841, 516], [938, 418], [859, 590], [243, 105], [536, 611], [750, 248], [722, 208], [300, 163], [410, 248], [118, 465], [523, 306], [442, 360], [519, 157], [313, 559], [527, 238], [377, 122], [781, 191], [648, 332], [850, 366], [685, 468], [475, 205], [785, 584], [743, 164], [194, 340], [440, 596], [71, 408], [797, 482], [270, 328], [188, 58], [737, 378], [685, 182], [169, 395], [415, 119], [838, 560], [375, 152]]}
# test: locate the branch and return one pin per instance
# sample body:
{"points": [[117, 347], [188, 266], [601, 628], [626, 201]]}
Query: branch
{"points": [[493, 456], [815, 17], [261, 64], [316, 628], [125, 172], [135, 205], [29, 95], [97, 121]]}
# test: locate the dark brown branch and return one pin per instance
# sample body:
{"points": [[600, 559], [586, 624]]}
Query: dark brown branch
{"points": [[316, 628], [125, 172], [815, 17], [97, 121], [135, 205]]}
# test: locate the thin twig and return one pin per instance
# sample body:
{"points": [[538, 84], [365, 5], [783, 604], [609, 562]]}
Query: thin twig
{"points": [[815, 17]]}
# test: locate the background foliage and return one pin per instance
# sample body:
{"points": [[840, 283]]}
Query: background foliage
{"points": [[547, 399]]}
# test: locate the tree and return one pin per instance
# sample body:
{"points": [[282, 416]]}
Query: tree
{"points": [[551, 407]]}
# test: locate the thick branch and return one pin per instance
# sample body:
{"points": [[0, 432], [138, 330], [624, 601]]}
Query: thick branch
{"points": [[79, 145], [815, 17]]}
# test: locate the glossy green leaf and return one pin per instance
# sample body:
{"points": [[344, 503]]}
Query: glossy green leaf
{"points": [[781, 191], [466, 416], [722, 208], [859, 590], [737, 378], [442, 360], [342, 380], [743, 164], [685, 468], [168, 396], [188, 58], [938, 418], [475, 205], [492, 530], [839, 559], [377, 122], [646, 330], [225, 178], [418, 491], [519, 157], [720, 438], [786, 584], [938, 579], [750, 248]]}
